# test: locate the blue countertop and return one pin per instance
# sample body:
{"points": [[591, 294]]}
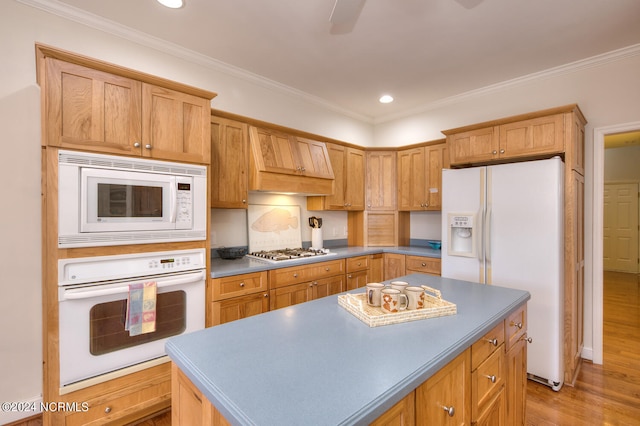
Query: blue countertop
{"points": [[315, 363], [225, 267]]}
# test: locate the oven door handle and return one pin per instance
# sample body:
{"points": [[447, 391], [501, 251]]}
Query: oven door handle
{"points": [[84, 293]]}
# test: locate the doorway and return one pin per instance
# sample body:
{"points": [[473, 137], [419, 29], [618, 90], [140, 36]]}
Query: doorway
{"points": [[596, 243]]}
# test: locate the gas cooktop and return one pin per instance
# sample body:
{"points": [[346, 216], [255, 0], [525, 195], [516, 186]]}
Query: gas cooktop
{"points": [[282, 255]]}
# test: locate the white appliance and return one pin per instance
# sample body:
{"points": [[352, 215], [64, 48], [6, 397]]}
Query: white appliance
{"points": [[503, 225], [92, 298], [111, 200]]}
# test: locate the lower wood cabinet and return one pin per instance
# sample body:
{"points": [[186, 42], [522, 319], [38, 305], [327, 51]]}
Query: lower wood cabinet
{"points": [[236, 297], [238, 307], [394, 265], [445, 398], [422, 264], [401, 414]]}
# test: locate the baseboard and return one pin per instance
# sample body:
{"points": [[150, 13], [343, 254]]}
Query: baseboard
{"points": [[17, 412], [587, 353]]}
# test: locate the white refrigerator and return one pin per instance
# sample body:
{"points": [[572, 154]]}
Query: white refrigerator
{"points": [[503, 225]]}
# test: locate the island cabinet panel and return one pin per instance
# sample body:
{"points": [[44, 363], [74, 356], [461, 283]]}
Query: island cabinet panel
{"points": [[401, 414], [229, 172], [95, 106], [189, 405], [445, 398]]}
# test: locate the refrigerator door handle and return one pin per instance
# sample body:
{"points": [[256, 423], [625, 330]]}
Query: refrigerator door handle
{"points": [[487, 239]]}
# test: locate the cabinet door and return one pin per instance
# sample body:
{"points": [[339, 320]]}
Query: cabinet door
{"points": [[423, 264], [394, 265], [380, 185], [238, 285], [516, 383], [354, 182], [474, 146], [437, 158], [229, 173], [337, 156], [411, 179], [92, 110], [175, 125], [445, 398], [238, 308], [357, 279], [376, 269], [290, 295], [543, 135], [328, 286]]}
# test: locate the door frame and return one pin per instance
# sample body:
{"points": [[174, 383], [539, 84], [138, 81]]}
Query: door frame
{"points": [[597, 233]]}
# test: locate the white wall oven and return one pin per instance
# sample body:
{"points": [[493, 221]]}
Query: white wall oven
{"points": [[93, 296], [112, 200]]}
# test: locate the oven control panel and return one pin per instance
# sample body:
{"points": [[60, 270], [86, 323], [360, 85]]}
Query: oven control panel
{"points": [[109, 268]]}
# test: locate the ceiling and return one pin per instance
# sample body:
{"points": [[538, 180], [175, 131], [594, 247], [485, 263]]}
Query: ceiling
{"points": [[419, 51]]}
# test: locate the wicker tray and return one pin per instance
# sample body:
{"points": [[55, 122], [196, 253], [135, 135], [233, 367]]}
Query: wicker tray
{"points": [[374, 316]]}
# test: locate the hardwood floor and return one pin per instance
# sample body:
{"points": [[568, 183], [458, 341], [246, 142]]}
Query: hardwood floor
{"points": [[607, 394]]}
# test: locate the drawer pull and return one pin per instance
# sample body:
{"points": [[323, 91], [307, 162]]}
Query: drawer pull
{"points": [[494, 342], [107, 410], [528, 339], [518, 325], [326, 269], [349, 276], [492, 378], [266, 295], [449, 410], [295, 275], [241, 284]]}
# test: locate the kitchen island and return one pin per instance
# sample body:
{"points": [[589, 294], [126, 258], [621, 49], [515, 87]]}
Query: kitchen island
{"points": [[315, 363]]}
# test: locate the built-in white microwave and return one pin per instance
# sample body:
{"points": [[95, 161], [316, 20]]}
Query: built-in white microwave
{"points": [[112, 200]]}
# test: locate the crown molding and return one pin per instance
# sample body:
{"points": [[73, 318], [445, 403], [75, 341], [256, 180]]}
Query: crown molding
{"points": [[72, 13], [594, 61], [66, 11]]}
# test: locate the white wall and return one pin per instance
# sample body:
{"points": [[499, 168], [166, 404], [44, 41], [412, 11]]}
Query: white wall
{"points": [[607, 94]]}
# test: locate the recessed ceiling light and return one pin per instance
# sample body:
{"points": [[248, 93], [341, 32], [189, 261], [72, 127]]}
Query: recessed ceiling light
{"points": [[385, 99], [173, 4]]}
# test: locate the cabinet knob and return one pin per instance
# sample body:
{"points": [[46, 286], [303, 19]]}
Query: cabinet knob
{"points": [[136, 144], [327, 269], [295, 275], [527, 339], [266, 295], [518, 325], [241, 284], [349, 276], [148, 146], [424, 264], [494, 152], [244, 201], [303, 169], [450, 410], [502, 151], [107, 410], [492, 378], [494, 342]]}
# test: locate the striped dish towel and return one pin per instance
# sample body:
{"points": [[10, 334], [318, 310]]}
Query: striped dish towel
{"points": [[141, 308]]}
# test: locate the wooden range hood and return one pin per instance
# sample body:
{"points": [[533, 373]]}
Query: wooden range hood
{"points": [[285, 163]]}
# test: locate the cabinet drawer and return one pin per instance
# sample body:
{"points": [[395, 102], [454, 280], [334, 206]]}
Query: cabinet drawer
{"points": [[515, 326], [303, 273], [238, 285], [427, 265], [357, 263], [487, 381], [103, 411], [485, 346], [239, 307]]}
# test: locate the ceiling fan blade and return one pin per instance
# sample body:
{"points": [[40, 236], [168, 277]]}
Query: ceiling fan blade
{"points": [[346, 12]]}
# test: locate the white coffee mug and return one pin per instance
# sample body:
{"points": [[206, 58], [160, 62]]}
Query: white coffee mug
{"points": [[415, 297], [374, 293], [392, 300], [399, 285]]}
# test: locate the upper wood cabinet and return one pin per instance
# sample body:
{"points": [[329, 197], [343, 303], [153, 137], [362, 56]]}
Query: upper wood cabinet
{"points": [[534, 135], [229, 173], [94, 106], [420, 177], [348, 191], [380, 181]]}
